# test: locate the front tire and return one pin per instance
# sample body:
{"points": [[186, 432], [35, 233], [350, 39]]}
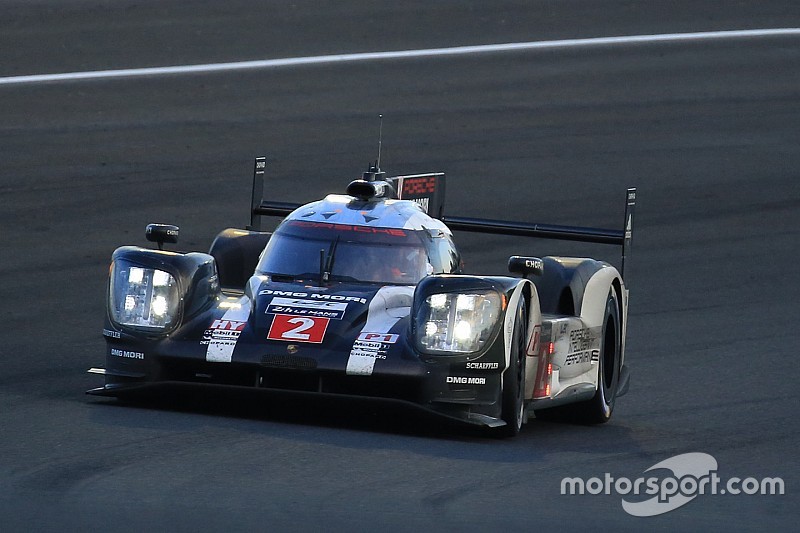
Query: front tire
{"points": [[513, 396]]}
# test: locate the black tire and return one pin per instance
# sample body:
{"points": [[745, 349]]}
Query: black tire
{"points": [[513, 395], [597, 410]]}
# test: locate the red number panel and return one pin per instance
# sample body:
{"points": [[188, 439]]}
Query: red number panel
{"points": [[298, 328]]}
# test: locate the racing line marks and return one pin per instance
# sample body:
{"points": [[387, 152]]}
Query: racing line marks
{"points": [[401, 54]]}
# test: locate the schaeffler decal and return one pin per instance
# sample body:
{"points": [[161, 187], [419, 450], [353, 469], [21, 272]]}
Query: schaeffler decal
{"points": [[483, 366], [112, 333], [310, 308], [298, 328]]}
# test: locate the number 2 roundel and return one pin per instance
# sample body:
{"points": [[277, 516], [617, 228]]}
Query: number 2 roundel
{"points": [[298, 328]]}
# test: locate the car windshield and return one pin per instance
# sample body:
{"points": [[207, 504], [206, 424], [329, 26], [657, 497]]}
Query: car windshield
{"points": [[348, 253]]}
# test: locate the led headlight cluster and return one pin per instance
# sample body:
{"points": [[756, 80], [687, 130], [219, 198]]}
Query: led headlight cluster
{"points": [[141, 297], [461, 323]]}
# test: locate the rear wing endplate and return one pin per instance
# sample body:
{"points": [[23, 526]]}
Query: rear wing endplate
{"points": [[428, 190]]}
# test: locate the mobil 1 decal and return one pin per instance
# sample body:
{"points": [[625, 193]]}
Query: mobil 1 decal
{"points": [[373, 345], [225, 331], [368, 348]]}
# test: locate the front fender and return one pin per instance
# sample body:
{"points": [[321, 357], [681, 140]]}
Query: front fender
{"points": [[513, 291], [196, 274]]}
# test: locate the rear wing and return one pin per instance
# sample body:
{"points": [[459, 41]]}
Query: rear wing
{"points": [[428, 191], [622, 238]]}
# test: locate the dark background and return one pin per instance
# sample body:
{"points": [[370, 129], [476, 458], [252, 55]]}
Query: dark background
{"points": [[707, 130]]}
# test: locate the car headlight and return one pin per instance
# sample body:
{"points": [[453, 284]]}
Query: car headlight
{"points": [[142, 297], [457, 323]]}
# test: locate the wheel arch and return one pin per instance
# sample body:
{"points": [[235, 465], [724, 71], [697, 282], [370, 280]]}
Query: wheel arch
{"points": [[593, 304], [604, 282]]}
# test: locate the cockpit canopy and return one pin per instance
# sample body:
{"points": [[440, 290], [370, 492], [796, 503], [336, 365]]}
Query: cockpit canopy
{"points": [[305, 250]]}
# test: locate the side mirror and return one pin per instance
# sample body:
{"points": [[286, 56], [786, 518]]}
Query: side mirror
{"points": [[162, 233], [525, 266]]}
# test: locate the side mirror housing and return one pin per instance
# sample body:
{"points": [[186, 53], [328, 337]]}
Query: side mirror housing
{"points": [[525, 266], [162, 233]]}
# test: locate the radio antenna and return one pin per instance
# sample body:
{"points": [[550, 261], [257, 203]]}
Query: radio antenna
{"points": [[380, 140]]}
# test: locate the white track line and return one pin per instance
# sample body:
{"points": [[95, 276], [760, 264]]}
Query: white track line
{"points": [[403, 54]]}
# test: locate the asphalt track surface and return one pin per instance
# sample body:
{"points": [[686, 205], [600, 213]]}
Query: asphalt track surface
{"points": [[708, 132]]}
